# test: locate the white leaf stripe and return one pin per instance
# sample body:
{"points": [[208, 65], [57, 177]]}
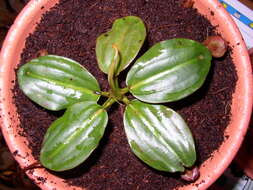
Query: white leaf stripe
{"points": [[159, 135]]}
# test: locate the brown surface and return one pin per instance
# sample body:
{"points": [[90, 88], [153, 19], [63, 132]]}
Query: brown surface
{"points": [[8, 12], [71, 29], [248, 3], [6, 18]]}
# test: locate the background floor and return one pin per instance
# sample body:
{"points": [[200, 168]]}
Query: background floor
{"points": [[248, 3], [12, 177]]}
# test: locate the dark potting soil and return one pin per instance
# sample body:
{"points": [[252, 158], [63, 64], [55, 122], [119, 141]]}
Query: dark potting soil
{"points": [[70, 29]]}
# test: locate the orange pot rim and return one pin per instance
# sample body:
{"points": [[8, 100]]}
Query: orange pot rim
{"points": [[210, 170]]}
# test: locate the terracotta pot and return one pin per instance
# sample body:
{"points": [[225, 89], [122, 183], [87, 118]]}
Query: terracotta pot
{"points": [[210, 170], [244, 157]]}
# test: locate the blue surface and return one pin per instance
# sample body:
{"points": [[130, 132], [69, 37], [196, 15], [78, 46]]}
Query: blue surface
{"points": [[238, 15]]}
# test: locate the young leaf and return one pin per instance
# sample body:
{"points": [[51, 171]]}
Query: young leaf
{"points": [[56, 82], [73, 137], [159, 136], [127, 34], [169, 71]]}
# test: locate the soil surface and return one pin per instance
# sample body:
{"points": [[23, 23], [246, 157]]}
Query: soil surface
{"points": [[70, 29]]}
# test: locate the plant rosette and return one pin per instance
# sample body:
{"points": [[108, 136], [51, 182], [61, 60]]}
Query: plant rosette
{"points": [[88, 108], [168, 71]]}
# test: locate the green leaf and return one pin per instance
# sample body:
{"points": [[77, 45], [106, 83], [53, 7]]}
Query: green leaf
{"points": [[72, 138], [56, 82], [159, 136], [127, 34], [169, 71]]}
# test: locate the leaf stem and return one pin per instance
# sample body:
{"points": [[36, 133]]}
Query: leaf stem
{"points": [[101, 93], [108, 103], [112, 79], [124, 90], [125, 100]]}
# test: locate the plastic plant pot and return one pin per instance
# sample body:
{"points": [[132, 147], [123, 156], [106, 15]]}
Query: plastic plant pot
{"points": [[210, 170]]}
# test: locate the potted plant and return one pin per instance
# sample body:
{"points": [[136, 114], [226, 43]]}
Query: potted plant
{"points": [[209, 170]]}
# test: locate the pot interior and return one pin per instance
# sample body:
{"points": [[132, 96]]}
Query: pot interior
{"points": [[210, 170]]}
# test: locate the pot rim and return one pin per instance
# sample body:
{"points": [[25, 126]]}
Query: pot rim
{"points": [[30, 15]]}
